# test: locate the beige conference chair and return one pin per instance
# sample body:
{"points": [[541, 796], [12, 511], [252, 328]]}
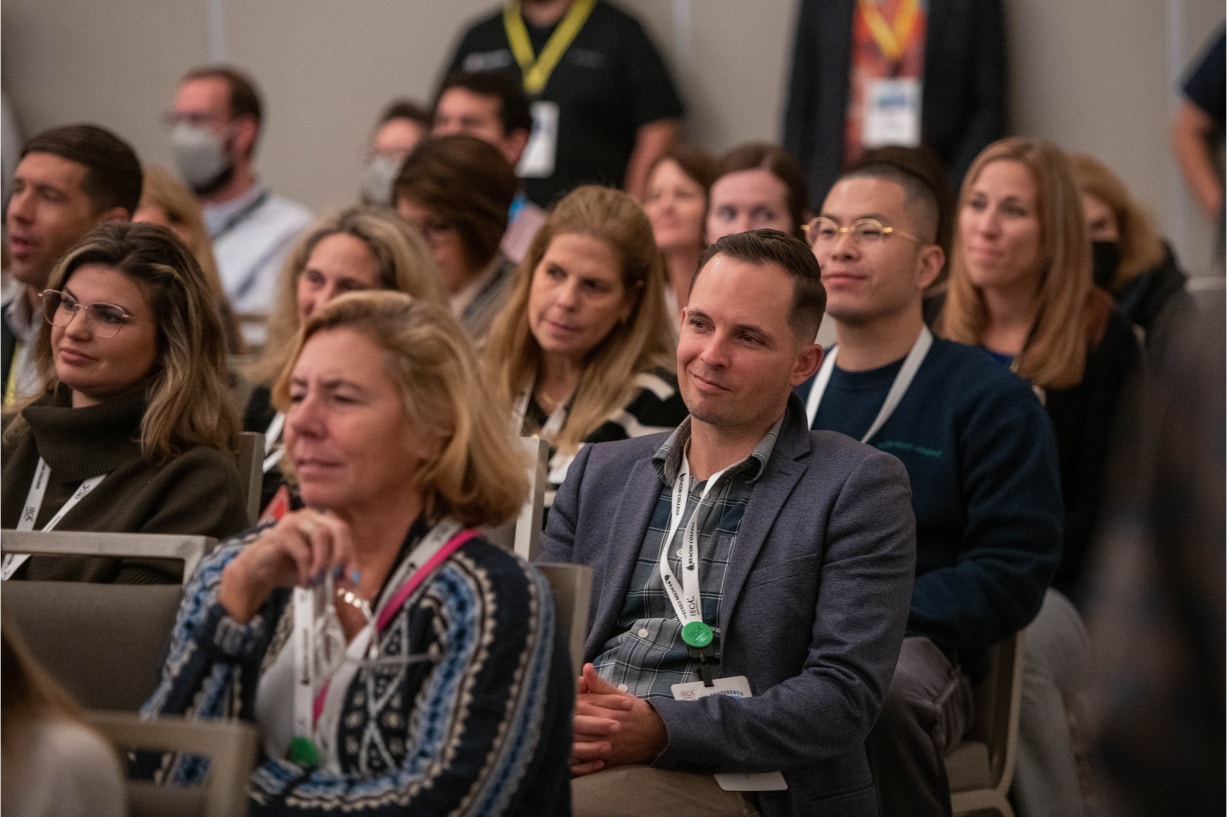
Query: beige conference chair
{"points": [[104, 643], [981, 768], [230, 746], [523, 534], [571, 586], [251, 471]]}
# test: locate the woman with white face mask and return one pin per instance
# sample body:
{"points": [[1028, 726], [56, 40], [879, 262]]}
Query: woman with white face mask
{"points": [[402, 125]]}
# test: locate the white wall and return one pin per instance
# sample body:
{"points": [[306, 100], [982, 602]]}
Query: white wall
{"points": [[1092, 75]]}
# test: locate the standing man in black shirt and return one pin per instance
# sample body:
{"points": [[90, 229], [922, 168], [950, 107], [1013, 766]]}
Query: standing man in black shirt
{"points": [[604, 106]]}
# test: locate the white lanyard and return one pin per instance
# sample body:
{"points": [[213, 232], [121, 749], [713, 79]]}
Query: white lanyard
{"points": [[34, 503], [553, 426], [273, 450], [310, 606], [903, 380], [685, 597]]}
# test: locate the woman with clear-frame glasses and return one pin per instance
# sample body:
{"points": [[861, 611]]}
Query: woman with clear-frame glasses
{"points": [[133, 428], [395, 661]]}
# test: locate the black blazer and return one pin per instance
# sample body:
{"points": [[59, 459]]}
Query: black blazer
{"points": [[962, 99]]}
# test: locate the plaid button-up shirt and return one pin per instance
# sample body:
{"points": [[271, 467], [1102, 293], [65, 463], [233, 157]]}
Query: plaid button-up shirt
{"points": [[647, 656]]}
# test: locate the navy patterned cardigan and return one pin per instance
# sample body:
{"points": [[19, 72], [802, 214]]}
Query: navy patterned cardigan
{"points": [[484, 730]]}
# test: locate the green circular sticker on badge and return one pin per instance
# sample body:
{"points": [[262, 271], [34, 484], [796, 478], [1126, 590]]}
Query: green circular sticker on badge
{"points": [[304, 752], [697, 634]]}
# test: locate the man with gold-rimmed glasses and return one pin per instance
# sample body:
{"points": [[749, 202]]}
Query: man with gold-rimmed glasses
{"points": [[978, 449]]}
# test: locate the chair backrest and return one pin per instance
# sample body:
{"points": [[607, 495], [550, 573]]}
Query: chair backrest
{"points": [[230, 745], [105, 643], [981, 768], [184, 547], [251, 470], [998, 702], [523, 534], [572, 590]]}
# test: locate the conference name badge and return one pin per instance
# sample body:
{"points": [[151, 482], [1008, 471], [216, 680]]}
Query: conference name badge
{"points": [[892, 113], [538, 159], [737, 686]]}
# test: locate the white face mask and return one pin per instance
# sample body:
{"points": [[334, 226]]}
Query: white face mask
{"points": [[378, 177], [200, 154]]}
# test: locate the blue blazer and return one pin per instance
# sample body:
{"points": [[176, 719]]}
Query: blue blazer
{"points": [[813, 610]]}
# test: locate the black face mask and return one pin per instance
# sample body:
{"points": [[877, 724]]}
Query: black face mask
{"points": [[1105, 258]]}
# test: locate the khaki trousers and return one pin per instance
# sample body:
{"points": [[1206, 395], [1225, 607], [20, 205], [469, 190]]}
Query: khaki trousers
{"points": [[634, 791]]}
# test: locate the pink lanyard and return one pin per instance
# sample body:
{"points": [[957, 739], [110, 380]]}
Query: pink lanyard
{"points": [[389, 610]]}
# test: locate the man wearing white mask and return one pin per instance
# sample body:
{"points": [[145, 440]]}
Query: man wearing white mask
{"points": [[215, 128], [400, 127]]}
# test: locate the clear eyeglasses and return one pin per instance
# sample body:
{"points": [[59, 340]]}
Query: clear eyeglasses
{"points": [[59, 308], [866, 232]]}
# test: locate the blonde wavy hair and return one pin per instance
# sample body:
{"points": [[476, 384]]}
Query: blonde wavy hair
{"points": [[188, 398], [479, 474], [1140, 246], [1068, 316], [162, 190], [405, 265], [645, 341]]}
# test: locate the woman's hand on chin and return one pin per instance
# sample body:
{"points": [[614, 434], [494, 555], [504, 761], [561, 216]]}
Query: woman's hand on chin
{"points": [[299, 549]]}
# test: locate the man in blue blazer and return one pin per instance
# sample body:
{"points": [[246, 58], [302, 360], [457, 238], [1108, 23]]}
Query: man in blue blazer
{"points": [[751, 577]]}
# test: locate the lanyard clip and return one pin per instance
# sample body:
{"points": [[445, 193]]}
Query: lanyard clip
{"points": [[708, 659]]}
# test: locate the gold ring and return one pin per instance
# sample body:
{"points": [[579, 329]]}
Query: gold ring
{"points": [[307, 527]]}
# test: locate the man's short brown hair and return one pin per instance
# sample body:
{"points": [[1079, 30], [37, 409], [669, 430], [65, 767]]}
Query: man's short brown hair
{"points": [[244, 98], [112, 171], [759, 247]]}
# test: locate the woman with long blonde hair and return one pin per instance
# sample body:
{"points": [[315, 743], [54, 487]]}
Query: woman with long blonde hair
{"points": [[1021, 288], [583, 351], [55, 764]]}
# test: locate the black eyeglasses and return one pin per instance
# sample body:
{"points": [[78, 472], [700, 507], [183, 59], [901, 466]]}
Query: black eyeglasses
{"points": [[59, 308]]}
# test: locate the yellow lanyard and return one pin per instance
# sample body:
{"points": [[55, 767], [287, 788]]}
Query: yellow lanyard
{"points": [[891, 39], [10, 388], [537, 69]]}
